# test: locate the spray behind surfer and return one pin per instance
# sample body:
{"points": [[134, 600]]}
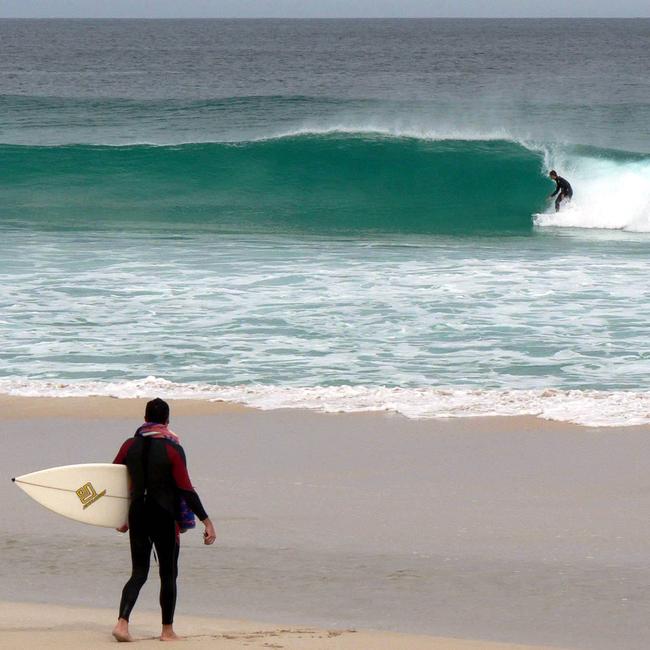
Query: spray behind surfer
{"points": [[563, 189]]}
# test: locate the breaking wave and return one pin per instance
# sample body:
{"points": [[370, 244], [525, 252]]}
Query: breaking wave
{"points": [[326, 183]]}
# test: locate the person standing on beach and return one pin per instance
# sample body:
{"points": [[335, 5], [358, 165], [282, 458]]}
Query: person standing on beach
{"points": [[562, 188], [159, 483]]}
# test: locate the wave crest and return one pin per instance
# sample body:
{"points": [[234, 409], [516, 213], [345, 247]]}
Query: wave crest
{"points": [[327, 181]]}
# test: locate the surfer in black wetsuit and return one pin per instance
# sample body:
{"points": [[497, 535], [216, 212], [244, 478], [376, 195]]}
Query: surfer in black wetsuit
{"points": [[159, 482], [562, 189]]}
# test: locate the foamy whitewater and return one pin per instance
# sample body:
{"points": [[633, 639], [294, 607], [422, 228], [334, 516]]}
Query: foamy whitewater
{"points": [[590, 408], [346, 216]]}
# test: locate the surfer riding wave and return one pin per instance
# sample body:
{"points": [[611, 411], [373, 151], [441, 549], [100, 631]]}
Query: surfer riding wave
{"points": [[563, 189]]}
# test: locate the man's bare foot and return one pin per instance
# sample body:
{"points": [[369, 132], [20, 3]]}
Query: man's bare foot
{"points": [[168, 634], [121, 631]]}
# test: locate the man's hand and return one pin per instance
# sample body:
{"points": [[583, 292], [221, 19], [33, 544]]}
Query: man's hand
{"points": [[123, 529], [209, 535]]}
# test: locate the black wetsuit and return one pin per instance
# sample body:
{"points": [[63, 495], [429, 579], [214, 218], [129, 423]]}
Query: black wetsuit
{"points": [[562, 189], [159, 478]]}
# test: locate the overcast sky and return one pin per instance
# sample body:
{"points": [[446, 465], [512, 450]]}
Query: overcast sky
{"points": [[321, 8]]}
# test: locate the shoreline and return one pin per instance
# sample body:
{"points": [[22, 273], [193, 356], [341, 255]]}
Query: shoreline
{"points": [[585, 407], [24, 626], [17, 407]]}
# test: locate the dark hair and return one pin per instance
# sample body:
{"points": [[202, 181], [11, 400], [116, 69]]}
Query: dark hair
{"points": [[157, 411], [552, 173]]}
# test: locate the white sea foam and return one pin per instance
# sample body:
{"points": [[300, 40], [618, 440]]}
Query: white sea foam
{"points": [[525, 314], [437, 133], [585, 407], [608, 194]]}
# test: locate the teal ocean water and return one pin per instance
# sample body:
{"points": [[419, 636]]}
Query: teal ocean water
{"points": [[303, 184], [343, 215]]}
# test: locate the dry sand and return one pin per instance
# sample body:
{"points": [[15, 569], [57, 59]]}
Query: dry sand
{"points": [[26, 626], [91, 408]]}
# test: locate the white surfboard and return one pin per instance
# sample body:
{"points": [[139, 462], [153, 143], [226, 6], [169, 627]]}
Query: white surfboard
{"points": [[95, 493]]}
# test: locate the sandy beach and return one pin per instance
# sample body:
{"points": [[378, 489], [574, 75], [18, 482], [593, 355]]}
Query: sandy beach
{"points": [[506, 531], [24, 626]]}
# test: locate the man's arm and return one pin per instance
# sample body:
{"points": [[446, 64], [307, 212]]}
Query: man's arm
{"points": [[557, 189], [183, 483], [120, 459]]}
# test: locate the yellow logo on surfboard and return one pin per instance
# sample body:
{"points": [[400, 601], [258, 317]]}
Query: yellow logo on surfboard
{"points": [[88, 495]]}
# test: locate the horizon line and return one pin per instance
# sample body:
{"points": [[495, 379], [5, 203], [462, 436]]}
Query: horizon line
{"points": [[642, 17]]}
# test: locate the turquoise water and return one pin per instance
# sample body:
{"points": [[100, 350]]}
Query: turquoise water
{"points": [[294, 223], [322, 184]]}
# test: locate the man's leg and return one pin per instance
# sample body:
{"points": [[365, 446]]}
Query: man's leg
{"points": [[140, 557], [165, 540], [560, 196]]}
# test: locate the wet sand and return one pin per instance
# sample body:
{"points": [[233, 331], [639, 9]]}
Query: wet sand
{"points": [[509, 530]]}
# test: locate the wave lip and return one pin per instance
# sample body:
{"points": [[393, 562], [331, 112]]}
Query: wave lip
{"points": [[584, 407]]}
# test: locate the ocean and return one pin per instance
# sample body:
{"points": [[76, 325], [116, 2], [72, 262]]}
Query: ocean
{"points": [[341, 215]]}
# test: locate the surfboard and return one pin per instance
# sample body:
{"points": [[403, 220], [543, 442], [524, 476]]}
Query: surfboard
{"points": [[94, 493]]}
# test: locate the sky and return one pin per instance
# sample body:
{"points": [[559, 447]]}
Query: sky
{"points": [[321, 8]]}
